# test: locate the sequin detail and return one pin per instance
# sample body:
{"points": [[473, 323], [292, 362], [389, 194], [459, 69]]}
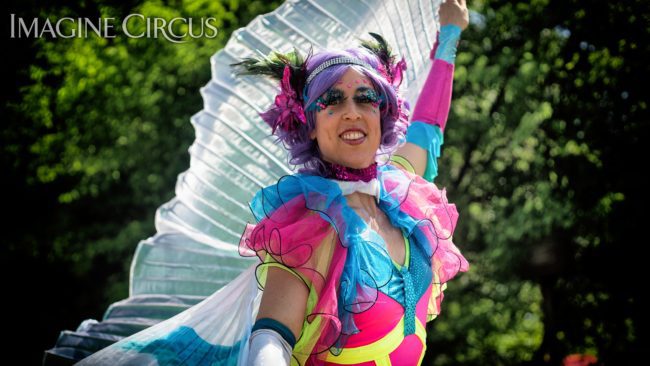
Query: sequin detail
{"points": [[407, 285], [335, 61], [340, 172]]}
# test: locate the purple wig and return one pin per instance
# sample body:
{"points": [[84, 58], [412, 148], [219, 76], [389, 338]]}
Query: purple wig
{"points": [[303, 150]]}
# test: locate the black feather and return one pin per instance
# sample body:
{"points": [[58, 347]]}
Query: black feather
{"points": [[382, 50], [273, 66]]}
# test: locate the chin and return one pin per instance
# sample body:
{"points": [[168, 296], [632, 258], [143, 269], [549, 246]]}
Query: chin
{"points": [[351, 160], [356, 164]]}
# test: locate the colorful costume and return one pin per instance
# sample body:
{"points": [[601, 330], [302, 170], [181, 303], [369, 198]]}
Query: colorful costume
{"points": [[359, 298], [363, 308]]}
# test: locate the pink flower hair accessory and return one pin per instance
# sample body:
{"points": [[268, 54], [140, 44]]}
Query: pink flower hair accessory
{"points": [[287, 112]]}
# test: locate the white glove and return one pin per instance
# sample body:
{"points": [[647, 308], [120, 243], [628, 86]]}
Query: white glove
{"points": [[268, 348]]}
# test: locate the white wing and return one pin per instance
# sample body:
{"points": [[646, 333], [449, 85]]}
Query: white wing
{"points": [[194, 252]]}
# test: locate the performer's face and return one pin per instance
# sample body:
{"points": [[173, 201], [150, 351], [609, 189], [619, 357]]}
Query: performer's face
{"points": [[348, 128]]}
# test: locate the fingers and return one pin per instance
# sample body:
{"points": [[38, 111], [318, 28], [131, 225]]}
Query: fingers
{"points": [[454, 12], [460, 3]]}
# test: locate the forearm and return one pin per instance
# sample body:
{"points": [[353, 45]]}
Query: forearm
{"points": [[271, 344], [433, 103], [432, 108], [280, 317]]}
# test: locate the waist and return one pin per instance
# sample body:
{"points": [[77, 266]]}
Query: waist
{"points": [[381, 339]]}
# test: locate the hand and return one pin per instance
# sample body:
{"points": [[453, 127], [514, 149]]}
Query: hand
{"points": [[454, 12]]}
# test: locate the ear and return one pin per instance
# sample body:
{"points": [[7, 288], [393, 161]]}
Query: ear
{"points": [[312, 134]]}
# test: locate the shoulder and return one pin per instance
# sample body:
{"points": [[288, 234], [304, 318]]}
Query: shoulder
{"points": [[292, 192], [402, 162], [296, 210], [399, 169]]}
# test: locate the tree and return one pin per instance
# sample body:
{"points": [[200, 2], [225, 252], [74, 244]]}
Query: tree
{"points": [[95, 134], [547, 116]]}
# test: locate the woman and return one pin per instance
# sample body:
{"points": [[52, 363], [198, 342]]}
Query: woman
{"points": [[355, 255]]}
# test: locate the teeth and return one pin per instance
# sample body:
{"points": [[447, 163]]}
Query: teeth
{"points": [[354, 135]]}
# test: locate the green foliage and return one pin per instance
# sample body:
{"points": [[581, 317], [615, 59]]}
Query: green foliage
{"points": [[97, 135], [544, 118], [109, 118], [486, 320]]}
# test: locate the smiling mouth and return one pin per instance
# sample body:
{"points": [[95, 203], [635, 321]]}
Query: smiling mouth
{"points": [[352, 136]]}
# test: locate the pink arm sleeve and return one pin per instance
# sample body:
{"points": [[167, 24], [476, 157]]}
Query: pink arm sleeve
{"points": [[433, 104], [434, 101]]}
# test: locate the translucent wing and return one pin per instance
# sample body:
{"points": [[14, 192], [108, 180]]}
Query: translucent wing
{"points": [[194, 252]]}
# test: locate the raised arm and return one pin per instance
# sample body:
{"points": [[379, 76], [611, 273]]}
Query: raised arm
{"points": [[425, 134]]}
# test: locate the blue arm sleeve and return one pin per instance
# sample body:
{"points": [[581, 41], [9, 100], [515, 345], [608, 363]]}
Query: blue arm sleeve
{"points": [[447, 42], [430, 138]]}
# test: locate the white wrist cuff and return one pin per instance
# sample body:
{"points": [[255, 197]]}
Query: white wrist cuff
{"points": [[268, 348]]}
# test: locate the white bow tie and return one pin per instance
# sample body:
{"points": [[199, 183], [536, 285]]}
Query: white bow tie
{"points": [[371, 187]]}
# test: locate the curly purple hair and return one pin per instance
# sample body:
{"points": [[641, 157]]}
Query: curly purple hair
{"points": [[393, 111]]}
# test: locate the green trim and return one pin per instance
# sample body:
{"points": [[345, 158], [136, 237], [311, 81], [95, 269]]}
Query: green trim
{"points": [[403, 162], [407, 254]]}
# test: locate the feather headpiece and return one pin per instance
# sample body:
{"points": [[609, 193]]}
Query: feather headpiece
{"points": [[287, 112], [389, 69], [290, 69]]}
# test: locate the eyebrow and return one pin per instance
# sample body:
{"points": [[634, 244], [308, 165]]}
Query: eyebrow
{"points": [[331, 91], [363, 88], [359, 89]]}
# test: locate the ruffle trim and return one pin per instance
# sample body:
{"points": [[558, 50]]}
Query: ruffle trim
{"points": [[305, 224]]}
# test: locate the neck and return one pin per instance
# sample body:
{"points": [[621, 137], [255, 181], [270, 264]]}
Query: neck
{"points": [[363, 203]]}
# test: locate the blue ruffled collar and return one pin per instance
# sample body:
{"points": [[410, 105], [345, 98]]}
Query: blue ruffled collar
{"points": [[323, 195]]}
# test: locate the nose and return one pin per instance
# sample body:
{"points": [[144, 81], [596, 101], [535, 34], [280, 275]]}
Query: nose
{"points": [[351, 112]]}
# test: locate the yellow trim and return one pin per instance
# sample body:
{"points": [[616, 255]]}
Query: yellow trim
{"points": [[436, 290], [384, 361], [407, 253], [269, 262], [398, 159], [424, 350], [379, 350]]}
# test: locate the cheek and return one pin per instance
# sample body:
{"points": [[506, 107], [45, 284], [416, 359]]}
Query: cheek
{"points": [[377, 127], [318, 123], [375, 119], [325, 124]]}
